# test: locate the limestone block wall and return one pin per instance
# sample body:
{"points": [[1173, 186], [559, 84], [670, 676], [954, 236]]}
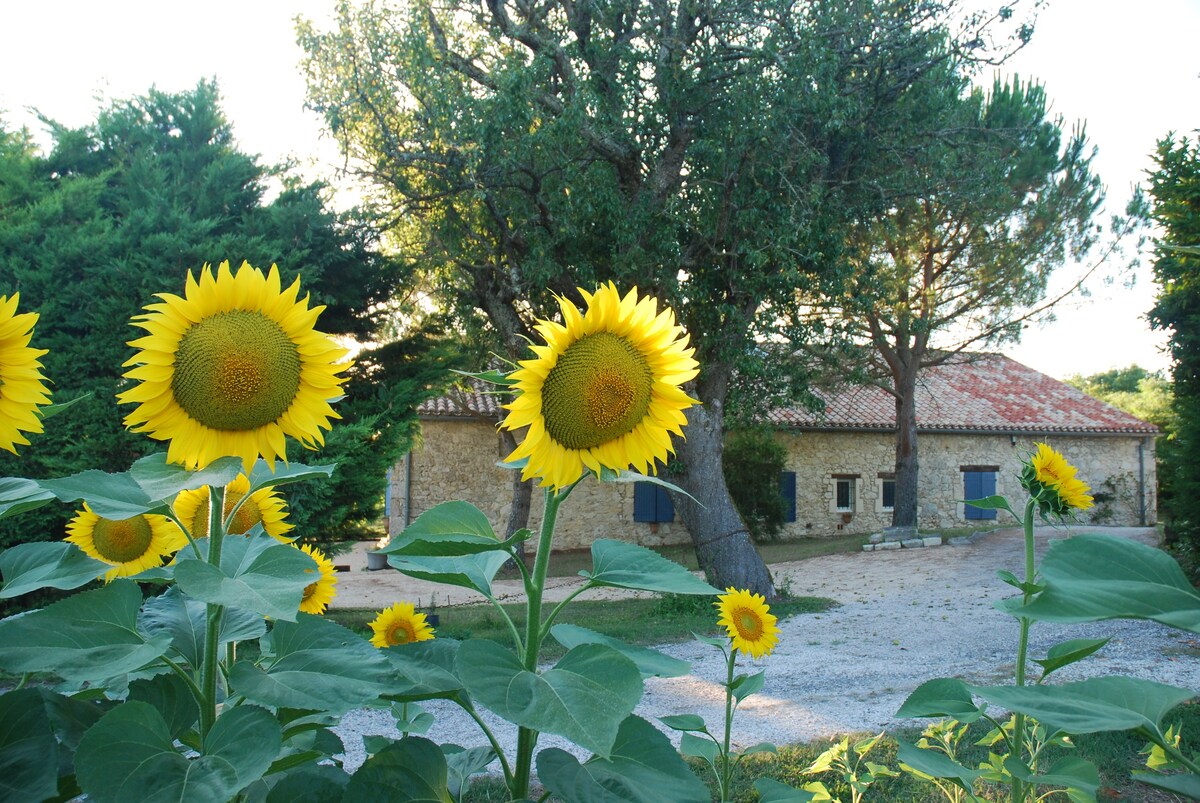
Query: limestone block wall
{"points": [[456, 460], [1110, 464]]}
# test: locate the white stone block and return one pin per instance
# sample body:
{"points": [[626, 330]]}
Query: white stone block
{"points": [[868, 547], [912, 543], [935, 540], [887, 545]]}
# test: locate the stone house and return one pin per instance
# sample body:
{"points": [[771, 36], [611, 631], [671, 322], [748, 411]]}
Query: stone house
{"points": [[976, 420]]}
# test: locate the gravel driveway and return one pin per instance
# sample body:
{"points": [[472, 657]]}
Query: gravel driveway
{"points": [[906, 616]]}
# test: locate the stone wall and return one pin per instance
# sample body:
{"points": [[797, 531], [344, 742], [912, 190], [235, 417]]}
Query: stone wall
{"points": [[456, 460]]}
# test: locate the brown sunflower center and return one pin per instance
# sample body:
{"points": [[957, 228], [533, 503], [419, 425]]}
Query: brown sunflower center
{"points": [[401, 632], [749, 625], [597, 391], [122, 541], [309, 590], [236, 371], [247, 516]]}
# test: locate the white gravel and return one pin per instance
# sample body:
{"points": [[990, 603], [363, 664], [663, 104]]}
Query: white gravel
{"points": [[905, 617]]}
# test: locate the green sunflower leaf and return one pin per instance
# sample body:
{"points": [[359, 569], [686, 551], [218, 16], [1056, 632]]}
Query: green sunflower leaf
{"points": [[585, 697], [28, 749], [447, 530], [462, 764], [112, 496], [423, 670], [1185, 784], [257, 574], [19, 495], [941, 697], [651, 663], [46, 564], [1093, 577], [312, 783], [172, 699], [315, 665], [51, 410], [1069, 652], [475, 572], [626, 476], [412, 769], [624, 565], [772, 791], [90, 636], [492, 377], [184, 620], [933, 764], [644, 767], [261, 476], [162, 481]]}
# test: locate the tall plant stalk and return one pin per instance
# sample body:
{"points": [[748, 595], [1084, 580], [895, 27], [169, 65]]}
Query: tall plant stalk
{"points": [[212, 625]]}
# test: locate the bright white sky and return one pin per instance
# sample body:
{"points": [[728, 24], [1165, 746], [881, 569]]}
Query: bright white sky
{"points": [[1133, 75]]}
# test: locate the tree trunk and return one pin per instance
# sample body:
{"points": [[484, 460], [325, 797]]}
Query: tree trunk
{"points": [[522, 495], [904, 514], [722, 542]]}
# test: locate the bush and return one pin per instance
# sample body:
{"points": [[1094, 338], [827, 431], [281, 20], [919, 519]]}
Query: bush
{"points": [[753, 462]]}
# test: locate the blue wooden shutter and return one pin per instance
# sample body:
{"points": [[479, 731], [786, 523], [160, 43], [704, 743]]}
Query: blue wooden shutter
{"points": [[663, 506], [787, 489], [652, 503], [977, 485]]}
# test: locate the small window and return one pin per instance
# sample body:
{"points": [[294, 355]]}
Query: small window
{"points": [[844, 493], [787, 489], [887, 494], [651, 503]]}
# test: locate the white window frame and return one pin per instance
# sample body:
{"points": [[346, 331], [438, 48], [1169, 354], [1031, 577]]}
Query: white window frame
{"points": [[852, 483], [879, 506]]}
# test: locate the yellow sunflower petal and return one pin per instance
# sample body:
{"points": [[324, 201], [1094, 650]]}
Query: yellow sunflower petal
{"points": [[130, 545], [321, 591], [399, 624], [22, 384], [749, 622]]}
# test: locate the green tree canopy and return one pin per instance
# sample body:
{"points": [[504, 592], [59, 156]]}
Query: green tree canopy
{"points": [[120, 210]]}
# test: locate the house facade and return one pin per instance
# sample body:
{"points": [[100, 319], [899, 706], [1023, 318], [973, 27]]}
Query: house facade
{"points": [[976, 419]]}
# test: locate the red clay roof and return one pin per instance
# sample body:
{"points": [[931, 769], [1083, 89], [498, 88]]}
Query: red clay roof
{"points": [[978, 393]]}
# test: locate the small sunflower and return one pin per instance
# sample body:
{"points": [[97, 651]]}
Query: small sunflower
{"points": [[129, 545], [1051, 480], [604, 390], [399, 624], [232, 368], [265, 506], [319, 593], [22, 385], [749, 622]]}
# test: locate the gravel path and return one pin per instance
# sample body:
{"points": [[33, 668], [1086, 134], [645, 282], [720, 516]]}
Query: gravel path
{"points": [[905, 617]]}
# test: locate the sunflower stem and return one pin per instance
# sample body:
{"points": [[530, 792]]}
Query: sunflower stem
{"points": [[527, 737], [724, 780], [212, 627], [170, 514], [554, 613], [1019, 723]]}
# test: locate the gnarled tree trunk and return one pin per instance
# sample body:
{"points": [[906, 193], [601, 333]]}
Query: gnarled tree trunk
{"points": [[904, 515]]}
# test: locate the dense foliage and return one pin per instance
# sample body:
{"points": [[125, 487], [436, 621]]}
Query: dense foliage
{"points": [[1175, 194], [1136, 390], [753, 462], [120, 210]]}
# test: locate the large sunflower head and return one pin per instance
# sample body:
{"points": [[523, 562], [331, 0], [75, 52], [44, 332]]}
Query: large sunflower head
{"points": [[604, 389], [231, 368], [22, 385], [130, 546], [1051, 480], [399, 624], [321, 591], [748, 621], [265, 506]]}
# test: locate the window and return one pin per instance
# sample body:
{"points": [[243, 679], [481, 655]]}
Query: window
{"points": [[787, 489], [887, 493], [651, 503], [978, 482], [844, 493]]}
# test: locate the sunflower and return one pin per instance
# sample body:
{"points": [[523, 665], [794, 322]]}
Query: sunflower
{"points": [[22, 385], [399, 624], [319, 593], [749, 622], [265, 506], [129, 545], [232, 368], [603, 391], [1051, 480]]}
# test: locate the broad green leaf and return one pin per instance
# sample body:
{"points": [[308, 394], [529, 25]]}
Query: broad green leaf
{"points": [[256, 574], [411, 769], [1072, 772], [51, 410], [462, 764], [651, 663], [626, 476], [1017, 583], [942, 697], [423, 670], [411, 718], [184, 620], [46, 564], [71, 717], [162, 481], [447, 530], [722, 642], [772, 791], [28, 749], [745, 685], [1092, 577], [248, 738], [466, 571], [1091, 706], [263, 476], [1186, 784], [991, 503], [935, 764], [129, 755], [1069, 652], [685, 722], [313, 783], [316, 665], [492, 377], [699, 747], [761, 747], [643, 768], [585, 697], [113, 496], [624, 565], [19, 495], [171, 698], [90, 636]]}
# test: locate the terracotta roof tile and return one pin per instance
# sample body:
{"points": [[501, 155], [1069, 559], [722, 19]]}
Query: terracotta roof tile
{"points": [[477, 400]]}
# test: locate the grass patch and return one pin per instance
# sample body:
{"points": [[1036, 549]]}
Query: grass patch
{"points": [[658, 620]]}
